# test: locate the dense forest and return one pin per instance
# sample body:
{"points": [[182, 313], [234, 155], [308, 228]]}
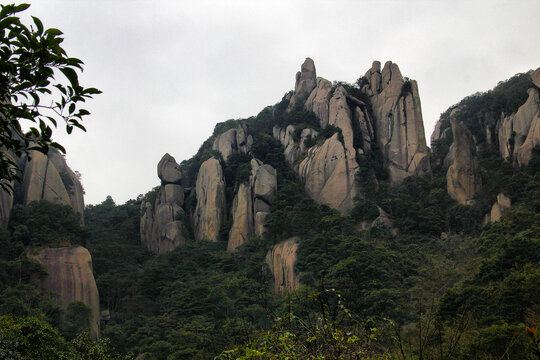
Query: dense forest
{"points": [[437, 282]]}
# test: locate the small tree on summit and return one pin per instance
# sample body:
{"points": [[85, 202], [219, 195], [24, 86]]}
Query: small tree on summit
{"points": [[31, 62]]}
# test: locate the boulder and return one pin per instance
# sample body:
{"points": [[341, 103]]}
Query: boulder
{"points": [[463, 176], [160, 227], [306, 81], [69, 274], [280, 260], [210, 209], [168, 170], [233, 141]]}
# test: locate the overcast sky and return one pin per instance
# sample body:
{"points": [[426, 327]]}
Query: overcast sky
{"points": [[170, 70]]}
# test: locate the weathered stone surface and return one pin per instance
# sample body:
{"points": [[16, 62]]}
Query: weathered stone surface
{"points": [[340, 115], [503, 203], [210, 210], [519, 132], [280, 260], [49, 178], [536, 77], [168, 170], [306, 81], [6, 199], [319, 101], [365, 125], [328, 175], [252, 204], [160, 228], [70, 276], [463, 176], [233, 141], [242, 212], [6, 203], [398, 121], [75, 190], [293, 149]]}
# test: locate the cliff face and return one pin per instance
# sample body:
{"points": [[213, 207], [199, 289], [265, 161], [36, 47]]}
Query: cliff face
{"points": [[519, 133], [70, 276], [161, 231], [383, 114], [463, 176], [48, 177], [211, 202], [280, 259], [233, 141], [513, 135], [389, 117], [252, 204], [398, 122]]}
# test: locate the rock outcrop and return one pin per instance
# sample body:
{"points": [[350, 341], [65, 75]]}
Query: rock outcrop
{"points": [[503, 202], [463, 176], [280, 260], [47, 177], [161, 226], [6, 203], [535, 76], [6, 199], [306, 81], [70, 276], [169, 171], [319, 101], [233, 141], [328, 174], [519, 133], [252, 204], [211, 203], [399, 126], [293, 149], [385, 111]]}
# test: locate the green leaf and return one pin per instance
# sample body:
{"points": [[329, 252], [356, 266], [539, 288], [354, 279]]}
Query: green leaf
{"points": [[71, 75], [71, 108], [39, 25], [58, 146], [21, 7], [52, 32]]}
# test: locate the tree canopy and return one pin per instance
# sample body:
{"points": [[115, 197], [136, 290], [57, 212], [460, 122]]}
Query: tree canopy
{"points": [[39, 88]]}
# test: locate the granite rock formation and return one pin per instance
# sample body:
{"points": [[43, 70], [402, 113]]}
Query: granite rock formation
{"points": [[252, 204], [328, 174], [398, 122], [48, 177], [503, 202], [233, 141], [463, 176], [70, 276], [280, 260], [211, 204], [161, 228], [306, 81], [519, 133]]}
